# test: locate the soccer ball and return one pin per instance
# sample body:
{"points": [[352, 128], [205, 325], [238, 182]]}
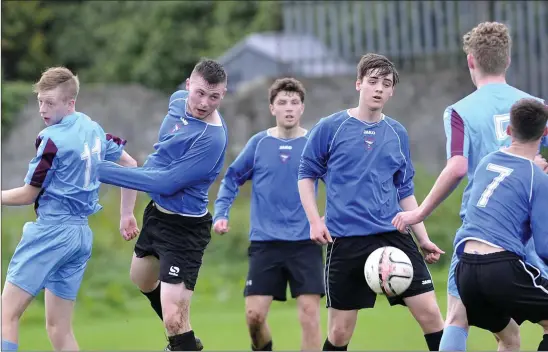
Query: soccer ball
{"points": [[388, 271]]}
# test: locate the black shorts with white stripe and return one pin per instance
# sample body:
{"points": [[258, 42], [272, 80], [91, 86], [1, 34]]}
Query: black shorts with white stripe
{"points": [[346, 288], [498, 287]]}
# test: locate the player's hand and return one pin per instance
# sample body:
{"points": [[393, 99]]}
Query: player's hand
{"points": [[319, 233], [541, 162], [128, 227], [431, 252], [221, 226], [406, 218]]}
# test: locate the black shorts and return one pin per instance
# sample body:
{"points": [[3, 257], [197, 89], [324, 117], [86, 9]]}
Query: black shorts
{"points": [[498, 287], [177, 241], [344, 270], [272, 264]]}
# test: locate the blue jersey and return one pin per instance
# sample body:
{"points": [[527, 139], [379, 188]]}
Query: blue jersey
{"points": [[476, 126], [366, 168], [272, 164], [65, 167], [507, 206], [188, 157]]}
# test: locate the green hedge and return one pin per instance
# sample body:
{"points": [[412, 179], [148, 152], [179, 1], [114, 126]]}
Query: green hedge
{"points": [[14, 97]]}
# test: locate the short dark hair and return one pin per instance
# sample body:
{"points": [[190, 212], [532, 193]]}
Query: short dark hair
{"points": [[373, 62], [287, 84], [528, 119], [211, 71]]}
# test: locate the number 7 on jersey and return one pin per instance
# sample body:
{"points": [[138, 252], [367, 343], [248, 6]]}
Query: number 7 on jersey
{"points": [[503, 173]]}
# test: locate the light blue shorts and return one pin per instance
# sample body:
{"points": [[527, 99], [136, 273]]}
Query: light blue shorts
{"points": [[451, 283], [52, 256]]}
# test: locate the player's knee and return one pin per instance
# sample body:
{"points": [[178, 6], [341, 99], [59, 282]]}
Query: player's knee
{"points": [[340, 333], [544, 324], [510, 342], [57, 329], [456, 314], [146, 283], [255, 317], [430, 318], [309, 314]]}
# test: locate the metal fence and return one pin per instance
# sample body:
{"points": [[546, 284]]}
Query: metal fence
{"points": [[425, 35]]}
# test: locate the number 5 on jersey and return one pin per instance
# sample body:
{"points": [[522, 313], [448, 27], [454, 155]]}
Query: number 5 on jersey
{"points": [[503, 173], [86, 156]]}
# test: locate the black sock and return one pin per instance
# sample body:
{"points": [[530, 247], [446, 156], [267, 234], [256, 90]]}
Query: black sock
{"points": [[543, 344], [267, 347], [154, 298], [183, 342], [328, 346], [433, 340]]}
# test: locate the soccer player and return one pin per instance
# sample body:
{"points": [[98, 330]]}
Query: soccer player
{"points": [[281, 250], [507, 206], [364, 158], [475, 126], [62, 183], [176, 230]]}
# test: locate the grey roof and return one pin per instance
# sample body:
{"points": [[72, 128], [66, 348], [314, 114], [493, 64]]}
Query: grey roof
{"points": [[289, 49]]}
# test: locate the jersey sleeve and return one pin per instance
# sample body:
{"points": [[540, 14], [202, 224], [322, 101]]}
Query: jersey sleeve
{"points": [[41, 167], [539, 204], [403, 178], [114, 147], [458, 141], [240, 171], [316, 152], [191, 168]]}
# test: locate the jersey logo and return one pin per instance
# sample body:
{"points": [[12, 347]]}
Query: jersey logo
{"points": [[285, 147], [369, 141], [284, 157], [175, 128]]}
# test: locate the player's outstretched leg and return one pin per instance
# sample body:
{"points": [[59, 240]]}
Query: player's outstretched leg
{"points": [[144, 274], [340, 327], [309, 317], [256, 310], [425, 310], [176, 310], [509, 338], [59, 313], [14, 303]]}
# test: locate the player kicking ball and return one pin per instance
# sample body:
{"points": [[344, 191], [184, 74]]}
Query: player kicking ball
{"points": [[281, 250], [508, 205], [187, 159], [364, 158], [62, 183]]}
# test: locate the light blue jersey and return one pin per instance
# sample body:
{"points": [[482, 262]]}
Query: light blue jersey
{"points": [[476, 126], [272, 164], [54, 250], [507, 206]]}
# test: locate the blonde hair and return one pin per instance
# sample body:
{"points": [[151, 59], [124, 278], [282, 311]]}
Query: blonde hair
{"points": [[490, 44], [59, 77]]}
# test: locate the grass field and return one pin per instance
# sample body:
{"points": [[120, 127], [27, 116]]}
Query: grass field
{"points": [[219, 322]]}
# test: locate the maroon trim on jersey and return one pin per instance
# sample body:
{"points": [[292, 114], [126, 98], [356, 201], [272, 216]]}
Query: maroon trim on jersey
{"points": [[115, 139], [457, 134], [46, 160]]}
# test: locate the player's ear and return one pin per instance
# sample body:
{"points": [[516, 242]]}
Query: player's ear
{"points": [[358, 84], [470, 61], [187, 85], [271, 109], [508, 130]]}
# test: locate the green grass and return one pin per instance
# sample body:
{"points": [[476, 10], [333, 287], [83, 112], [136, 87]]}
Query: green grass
{"points": [[219, 320]]}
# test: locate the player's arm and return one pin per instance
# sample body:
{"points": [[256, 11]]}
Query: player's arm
{"points": [[457, 164], [236, 175], [539, 205], [40, 171], [192, 168], [313, 166]]}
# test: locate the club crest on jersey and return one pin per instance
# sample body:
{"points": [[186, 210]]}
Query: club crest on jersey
{"points": [[369, 139], [175, 128], [284, 157]]}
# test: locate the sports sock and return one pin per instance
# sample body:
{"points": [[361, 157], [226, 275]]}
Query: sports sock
{"points": [[328, 346], [543, 344], [453, 339], [183, 342], [154, 298], [267, 347], [433, 340], [9, 346]]}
